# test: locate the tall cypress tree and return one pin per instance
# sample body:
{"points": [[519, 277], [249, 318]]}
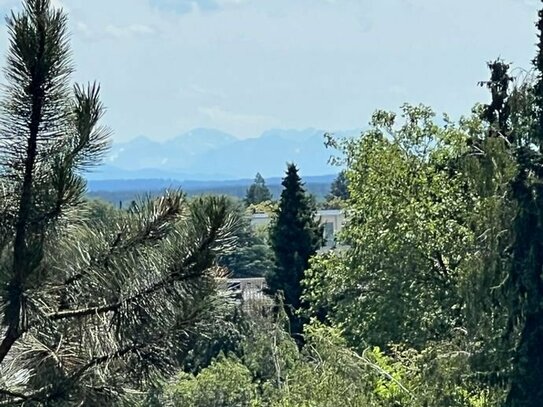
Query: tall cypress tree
{"points": [[295, 236], [527, 285], [526, 273]]}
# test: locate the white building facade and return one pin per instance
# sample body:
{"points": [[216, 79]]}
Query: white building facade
{"points": [[331, 219]]}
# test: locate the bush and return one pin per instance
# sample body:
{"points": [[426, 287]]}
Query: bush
{"points": [[225, 383]]}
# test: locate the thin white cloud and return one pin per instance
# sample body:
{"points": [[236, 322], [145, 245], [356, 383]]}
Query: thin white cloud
{"points": [[227, 119], [189, 6], [141, 29], [253, 64], [128, 31], [398, 90], [83, 29], [197, 90], [226, 3]]}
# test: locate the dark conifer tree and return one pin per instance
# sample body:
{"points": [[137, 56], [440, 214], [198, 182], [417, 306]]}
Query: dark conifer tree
{"points": [[295, 236], [498, 111], [258, 192], [538, 91], [526, 274]]}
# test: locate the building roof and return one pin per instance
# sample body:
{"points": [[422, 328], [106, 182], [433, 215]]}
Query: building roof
{"points": [[260, 216], [330, 212], [322, 212]]}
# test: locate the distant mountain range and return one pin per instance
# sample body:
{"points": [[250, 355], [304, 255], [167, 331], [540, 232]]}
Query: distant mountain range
{"points": [[208, 161], [211, 155]]}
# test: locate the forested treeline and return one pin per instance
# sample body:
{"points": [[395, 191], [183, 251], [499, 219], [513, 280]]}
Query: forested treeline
{"points": [[434, 299]]}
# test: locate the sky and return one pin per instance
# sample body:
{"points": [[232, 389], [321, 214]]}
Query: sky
{"points": [[244, 66]]}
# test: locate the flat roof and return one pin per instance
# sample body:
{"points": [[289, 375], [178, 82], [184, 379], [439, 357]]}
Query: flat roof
{"points": [[330, 212], [260, 216], [322, 212]]}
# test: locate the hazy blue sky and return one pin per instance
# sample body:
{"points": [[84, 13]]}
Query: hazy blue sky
{"points": [[243, 66]]}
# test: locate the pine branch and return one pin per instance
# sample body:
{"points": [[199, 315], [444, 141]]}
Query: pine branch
{"points": [[172, 277], [104, 359], [13, 394], [40, 394], [168, 207], [44, 393], [37, 67]]}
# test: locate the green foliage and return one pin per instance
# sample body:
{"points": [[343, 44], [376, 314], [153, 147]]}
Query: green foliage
{"points": [[434, 299], [94, 307], [268, 349], [538, 86], [425, 263], [339, 192], [271, 371], [326, 374], [525, 284], [497, 113], [101, 211], [268, 207], [340, 186], [295, 236], [258, 192], [398, 281], [225, 383], [253, 256], [254, 260]]}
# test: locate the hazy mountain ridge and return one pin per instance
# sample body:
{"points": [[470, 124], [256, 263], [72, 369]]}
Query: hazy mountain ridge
{"points": [[190, 185], [125, 190], [210, 154]]}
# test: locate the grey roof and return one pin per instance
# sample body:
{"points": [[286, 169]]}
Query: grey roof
{"points": [[330, 212]]}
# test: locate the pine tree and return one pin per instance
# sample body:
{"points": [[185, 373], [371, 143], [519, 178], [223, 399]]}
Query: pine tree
{"points": [[258, 192], [295, 236], [92, 309]]}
